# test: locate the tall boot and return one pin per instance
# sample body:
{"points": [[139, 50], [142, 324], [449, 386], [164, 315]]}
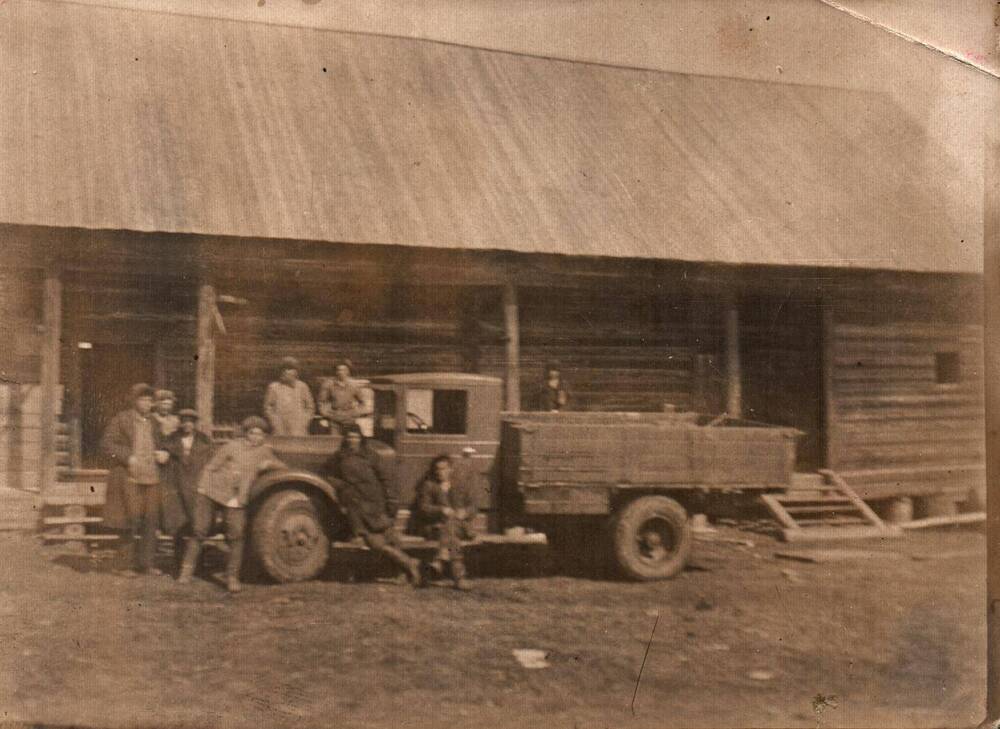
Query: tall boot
{"points": [[458, 574], [191, 551], [233, 564], [409, 564]]}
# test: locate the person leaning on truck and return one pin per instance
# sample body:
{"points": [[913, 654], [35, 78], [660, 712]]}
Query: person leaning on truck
{"points": [[190, 450], [288, 403], [340, 399], [132, 442], [446, 510], [369, 500], [225, 485]]}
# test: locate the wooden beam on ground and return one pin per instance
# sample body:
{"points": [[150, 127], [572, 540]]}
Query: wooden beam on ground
{"points": [[49, 376], [204, 386], [976, 517], [734, 372], [512, 330]]}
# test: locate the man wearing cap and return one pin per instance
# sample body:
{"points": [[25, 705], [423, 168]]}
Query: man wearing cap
{"points": [[190, 450], [370, 502], [340, 399], [163, 412], [132, 442], [224, 485], [288, 403]]}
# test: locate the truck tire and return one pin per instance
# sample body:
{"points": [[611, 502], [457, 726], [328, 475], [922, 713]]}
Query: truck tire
{"points": [[651, 538], [288, 537]]}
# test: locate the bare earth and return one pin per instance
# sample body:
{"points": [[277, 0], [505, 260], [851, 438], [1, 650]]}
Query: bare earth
{"points": [[742, 638]]}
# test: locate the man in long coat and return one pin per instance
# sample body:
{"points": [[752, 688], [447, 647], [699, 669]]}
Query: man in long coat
{"points": [[288, 403], [370, 501], [132, 442], [190, 450]]}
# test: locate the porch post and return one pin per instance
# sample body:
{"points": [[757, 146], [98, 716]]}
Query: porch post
{"points": [[734, 376], [828, 364], [204, 386], [49, 375], [512, 330], [991, 283]]}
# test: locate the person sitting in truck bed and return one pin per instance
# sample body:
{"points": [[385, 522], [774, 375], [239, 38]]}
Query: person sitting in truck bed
{"points": [[552, 395], [367, 497], [446, 509], [340, 399]]}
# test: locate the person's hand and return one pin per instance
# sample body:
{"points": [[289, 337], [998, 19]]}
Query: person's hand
{"points": [[460, 513], [132, 461], [162, 457], [448, 511]]}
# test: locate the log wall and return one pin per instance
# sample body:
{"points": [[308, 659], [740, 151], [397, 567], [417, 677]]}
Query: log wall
{"points": [[897, 429]]}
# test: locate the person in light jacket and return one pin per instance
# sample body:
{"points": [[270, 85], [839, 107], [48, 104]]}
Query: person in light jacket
{"points": [[224, 486], [446, 510], [133, 444], [288, 402]]}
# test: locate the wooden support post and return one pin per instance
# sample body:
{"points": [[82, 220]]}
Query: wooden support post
{"points": [[513, 331], [734, 373], [204, 386], [991, 283], [828, 365], [49, 376]]}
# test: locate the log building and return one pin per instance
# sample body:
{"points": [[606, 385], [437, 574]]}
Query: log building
{"points": [[196, 198]]}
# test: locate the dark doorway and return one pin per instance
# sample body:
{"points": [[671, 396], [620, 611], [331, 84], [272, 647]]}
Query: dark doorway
{"points": [[107, 372], [781, 357]]}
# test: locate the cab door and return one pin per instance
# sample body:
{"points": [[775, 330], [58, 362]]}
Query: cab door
{"points": [[440, 421]]}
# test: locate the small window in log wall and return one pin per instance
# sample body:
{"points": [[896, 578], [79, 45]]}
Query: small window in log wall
{"points": [[947, 368]]}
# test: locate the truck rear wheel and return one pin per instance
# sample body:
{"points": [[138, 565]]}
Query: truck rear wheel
{"points": [[651, 538], [288, 537]]}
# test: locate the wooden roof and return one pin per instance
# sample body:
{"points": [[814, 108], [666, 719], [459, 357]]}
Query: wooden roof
{"points": [[123, 119]]}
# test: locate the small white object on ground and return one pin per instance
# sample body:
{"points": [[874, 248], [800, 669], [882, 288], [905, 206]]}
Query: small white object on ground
{"points": [[699, 525], [531, 657], [761, 675]]}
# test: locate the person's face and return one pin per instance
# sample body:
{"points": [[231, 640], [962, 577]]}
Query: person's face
{"points": [[165, 407], [255, 436], [187, 426], [442, 469], [144, 404], [553, 376], [354, 442], [290, 375], [343, 373]]}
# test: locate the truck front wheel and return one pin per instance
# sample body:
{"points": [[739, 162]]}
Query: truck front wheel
{"points": [[651, 538], [288, 537]]}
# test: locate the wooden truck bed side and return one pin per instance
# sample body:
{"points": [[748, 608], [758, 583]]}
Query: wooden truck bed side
{"points": [[556, 464]]}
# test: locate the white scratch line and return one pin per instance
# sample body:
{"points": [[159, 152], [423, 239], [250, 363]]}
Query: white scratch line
{"points": [[911, 38], [627, 192]]}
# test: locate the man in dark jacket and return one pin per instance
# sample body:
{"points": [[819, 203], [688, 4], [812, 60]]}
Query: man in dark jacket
{"points": [[552, 395], [371, 504], [446, 511], [190, 450], [132, 442]]}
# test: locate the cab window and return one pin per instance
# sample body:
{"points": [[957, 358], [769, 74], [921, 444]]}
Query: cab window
{"points": [[436, 411], [384, 416]]}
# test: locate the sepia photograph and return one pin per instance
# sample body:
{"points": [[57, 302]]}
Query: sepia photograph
{"points": [[499, 363]]}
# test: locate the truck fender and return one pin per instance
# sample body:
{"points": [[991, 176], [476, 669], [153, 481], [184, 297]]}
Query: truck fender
{"points": [[265, 482]]}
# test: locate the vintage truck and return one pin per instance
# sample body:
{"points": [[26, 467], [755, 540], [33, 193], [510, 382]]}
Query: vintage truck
{"points": [[592, 482]]}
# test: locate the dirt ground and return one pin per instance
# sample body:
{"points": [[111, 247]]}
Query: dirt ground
{"points": [[742, 639]]}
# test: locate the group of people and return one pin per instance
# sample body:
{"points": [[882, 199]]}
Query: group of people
{"points": [[289, 404], [166, 474]]}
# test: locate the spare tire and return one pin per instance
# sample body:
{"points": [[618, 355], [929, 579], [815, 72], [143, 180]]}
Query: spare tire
{"points": [[289, 538], [651, 538]]}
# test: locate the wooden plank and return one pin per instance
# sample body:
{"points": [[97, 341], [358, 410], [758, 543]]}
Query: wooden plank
{"points": [[831, 433], [839, 532], [49, 537], [933, 521], [55, 520], [205, 370], [511, 325]]}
